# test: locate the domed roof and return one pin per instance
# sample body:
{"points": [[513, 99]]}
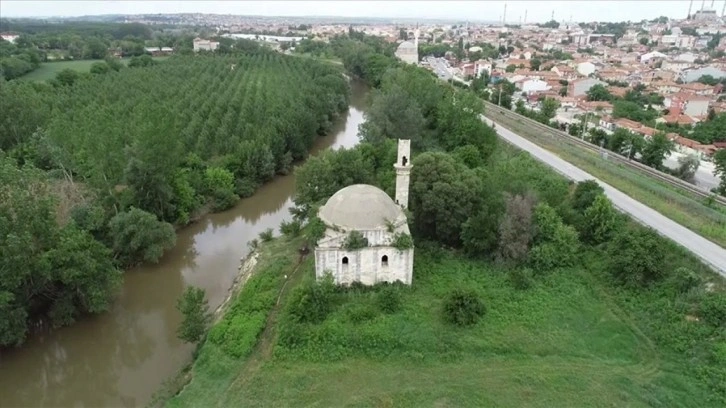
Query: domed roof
{"points": [[360, 207], [408, 46]]}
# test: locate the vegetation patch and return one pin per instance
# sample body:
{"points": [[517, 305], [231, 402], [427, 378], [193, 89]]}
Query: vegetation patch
{"points": [[354, 241]]}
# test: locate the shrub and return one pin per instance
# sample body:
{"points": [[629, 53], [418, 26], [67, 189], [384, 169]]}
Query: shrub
{"points": [[291, 228], [521, 278], [315, 230], [463, 307], [684, 279], [311, 303], [360, 313], [402, 241], [636, 257], [599, 221], [266, 235], [388, 299], [556, 243], [585, 194], [355, 240], [713, 309]]}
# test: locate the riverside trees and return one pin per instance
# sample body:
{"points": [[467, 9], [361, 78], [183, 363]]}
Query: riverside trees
{"points": [[141, 149]]}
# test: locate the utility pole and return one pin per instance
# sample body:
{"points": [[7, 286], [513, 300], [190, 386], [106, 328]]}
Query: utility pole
{"points": [[500, 94]]}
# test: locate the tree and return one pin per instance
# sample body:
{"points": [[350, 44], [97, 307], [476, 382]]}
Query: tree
{"points": [[139, 236], [719, 160], [598, 93], [585, 194], [554, 243], [515, 229], [392, 115], [510, 68], [626, 143], [443, 194], [600, 221], [463, 307], [636, 257], [67, 77], [687, 167], [535, 63], [196, 317], [549, 107], [99, 68], [656, 150]]}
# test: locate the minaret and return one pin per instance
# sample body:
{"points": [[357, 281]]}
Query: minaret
{"points": [[403, 172], [689, 9], [504, 16], [525, 16]]}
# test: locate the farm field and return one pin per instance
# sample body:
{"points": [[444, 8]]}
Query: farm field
{"points": [[48, 70]]}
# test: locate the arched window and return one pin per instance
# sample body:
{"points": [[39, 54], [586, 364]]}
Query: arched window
{"points": [[384, 260], [345, 260], [405, 160]]}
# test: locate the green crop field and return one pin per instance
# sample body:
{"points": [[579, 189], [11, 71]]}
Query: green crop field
{"points": [[48, 70], [570, 340]]}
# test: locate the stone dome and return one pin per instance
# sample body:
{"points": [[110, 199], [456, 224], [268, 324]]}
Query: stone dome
{"points": [[360, 207]]}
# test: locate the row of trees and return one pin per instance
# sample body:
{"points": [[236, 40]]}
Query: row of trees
{"points": [[97, 169]]}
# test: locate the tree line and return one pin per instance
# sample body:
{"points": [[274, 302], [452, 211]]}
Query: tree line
{"points": [[95, 172]]}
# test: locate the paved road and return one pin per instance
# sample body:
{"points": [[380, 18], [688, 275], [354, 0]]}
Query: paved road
{"points": [[707, 251]]}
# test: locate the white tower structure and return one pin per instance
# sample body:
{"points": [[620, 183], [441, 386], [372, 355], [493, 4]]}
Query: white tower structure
{"points": [[689, 9], [403, 172]]}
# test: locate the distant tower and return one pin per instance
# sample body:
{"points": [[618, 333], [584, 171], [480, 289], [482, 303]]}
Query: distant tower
{"points": [[553, 15], [403, 172], [504, 16], [525, 16], [703, 4], [690, 6], [723, 10]]}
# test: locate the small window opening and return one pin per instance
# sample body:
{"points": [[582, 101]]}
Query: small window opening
{"points": [[404, 161], [384, 260], [345, 260]]}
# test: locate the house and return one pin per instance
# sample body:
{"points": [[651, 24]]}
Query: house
{"points": [[565, 72], [580, 87], [154, 51], [689, 104], [205, 45], [369, 213], [586, 68], [9, 37], [654, 55], [692, 75], [698, 88], [529, 86]]}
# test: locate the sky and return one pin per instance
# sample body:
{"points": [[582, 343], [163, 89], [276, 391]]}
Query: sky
{"points": [[537, 11]]}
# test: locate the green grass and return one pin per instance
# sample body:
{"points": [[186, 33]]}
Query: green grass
{"points": [[570, 340], [691, 212], [48, 70]]}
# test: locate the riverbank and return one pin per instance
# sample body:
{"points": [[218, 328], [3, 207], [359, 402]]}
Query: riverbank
{"points": [[244, 322]]}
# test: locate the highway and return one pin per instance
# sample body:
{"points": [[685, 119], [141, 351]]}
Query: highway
{"points": [[707, 251]]}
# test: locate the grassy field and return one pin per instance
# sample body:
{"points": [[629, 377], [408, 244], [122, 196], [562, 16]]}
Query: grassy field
{"points": [[693, 213], [570, 340], [48, 70]]}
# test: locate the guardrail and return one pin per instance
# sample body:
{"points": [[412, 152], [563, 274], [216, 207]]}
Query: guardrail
{"points": [[567, 138]]}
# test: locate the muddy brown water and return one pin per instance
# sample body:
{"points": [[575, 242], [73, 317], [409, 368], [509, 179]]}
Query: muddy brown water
{"points": [[120, 358]]}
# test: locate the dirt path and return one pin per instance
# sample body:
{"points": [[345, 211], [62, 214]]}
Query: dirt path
{"points": [[263, 350]]}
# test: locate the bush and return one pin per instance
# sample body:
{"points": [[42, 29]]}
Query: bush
{"points": [[291, 228], [600, 220], [266, 235], [636, 257], [684, 279], [463, 307], [521, 278], [555, 243], [311, 303], [402, 241], [585, 194], [713, 309], [355, 240], [360, 313], [515, 229], [388, 299]]}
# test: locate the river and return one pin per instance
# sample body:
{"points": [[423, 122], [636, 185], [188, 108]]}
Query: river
{"points": [[120, 358]]}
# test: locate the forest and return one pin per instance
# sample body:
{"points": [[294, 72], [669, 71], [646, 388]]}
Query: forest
{"points": [[97, 170], [527, 290]]}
